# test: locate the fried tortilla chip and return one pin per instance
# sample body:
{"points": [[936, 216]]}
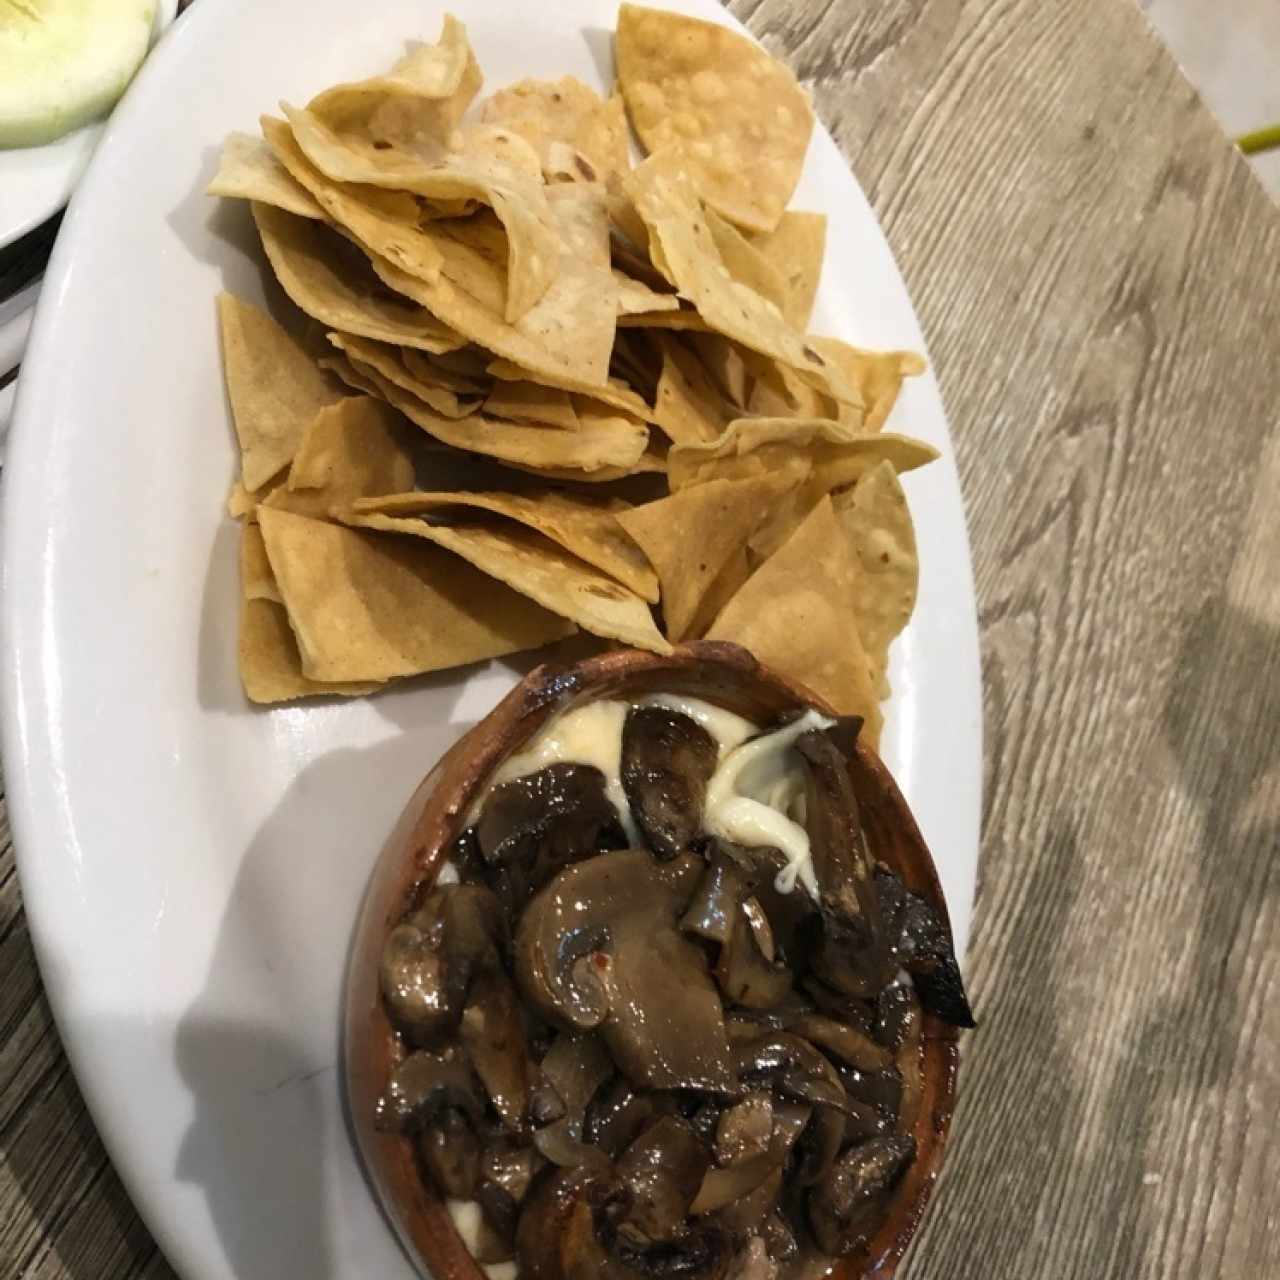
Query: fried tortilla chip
{"points": [[566, 111], [569, 333], [249, 170], [875, 515], [357, 448], [534, 565], [270, 666], [664, 198], [424, 94], [796, 614], [688, 406], [878, 375], [796, 247], [832, 454], [598, 442], [368, 607], [481, 163], [739, 112], [637, 298], [331, 281], [275, 388], [388, 361], [777, 392], [692, 536], [464, 379], [745, 263], [382, 221], [584, 527], [532, 402], [613, 393], [257, 582]]}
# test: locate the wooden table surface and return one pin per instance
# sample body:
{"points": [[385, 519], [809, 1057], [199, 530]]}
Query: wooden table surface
{"points": [[1098, 274]]}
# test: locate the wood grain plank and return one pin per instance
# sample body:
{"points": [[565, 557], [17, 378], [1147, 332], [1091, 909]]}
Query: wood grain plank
{"points": [[1098, 274]]}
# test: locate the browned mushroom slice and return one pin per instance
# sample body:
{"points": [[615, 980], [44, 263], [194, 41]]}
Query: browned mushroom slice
{"points": [[925, 949], [549, 1234], [727, 1186], [429, 961], [506, 1173], [753, 1261], [492, 1032], [618, 1113], [573, 1069], [748, 971], [746, 1215], [659, 1173], [845, 1208], [532, 827], [732, 874], [600, 947], [667, 760], [852, 955], [845, 1043], [435, 1096], [744, 1129]]}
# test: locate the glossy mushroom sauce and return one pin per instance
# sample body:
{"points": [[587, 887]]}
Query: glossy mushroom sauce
{"points": [[660, 1014]]}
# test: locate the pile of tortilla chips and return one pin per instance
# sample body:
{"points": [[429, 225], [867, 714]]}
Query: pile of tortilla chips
{"points": [[533, 389]]}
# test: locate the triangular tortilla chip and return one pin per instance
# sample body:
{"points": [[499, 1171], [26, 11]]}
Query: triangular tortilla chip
{"points": [[833, 454], [270, 666], [745, 263], [536, 566], [796, 614], [636, 298], [332, 282], [687, 405], [367, 607], [739, 111], [598, 442], [566, 111], [584, 527], [388, 361], [569, 333], [275, 388], [385, 222], [249, 170], [876, 517], [878, 375], [690, 537], [532, 402], [797, 246], [482, 163]]}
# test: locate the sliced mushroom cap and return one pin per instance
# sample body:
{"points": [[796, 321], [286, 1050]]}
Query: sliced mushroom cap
{"points": [[425, 1084], [600, 947], [572, 1070], [779, 1238], [534, 826], [449, 1149], [660, 1173], [747, 971], [793, 1066], [492, 1032], [732, 874], [543, 1235], [667, 760], [744, 1217], [429, 961], [618, 1113], [727, 1186], [843, 1042], [753, 1262], [845, 1208], [852, 955], [744, 1129], [506, 1174]]}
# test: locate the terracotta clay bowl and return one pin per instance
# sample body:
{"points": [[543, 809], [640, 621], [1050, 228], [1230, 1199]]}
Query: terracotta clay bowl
{"points": [[723, 674]]}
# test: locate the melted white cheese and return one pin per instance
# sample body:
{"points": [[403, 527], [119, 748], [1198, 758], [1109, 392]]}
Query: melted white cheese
{"points": [[729, 730], [466, 1218], [755, 797], [589, 734], [752, 792]]}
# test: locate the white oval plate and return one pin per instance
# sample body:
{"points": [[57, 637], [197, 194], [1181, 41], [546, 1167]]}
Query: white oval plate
{"points": [[192, 867], [35, 182]]}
